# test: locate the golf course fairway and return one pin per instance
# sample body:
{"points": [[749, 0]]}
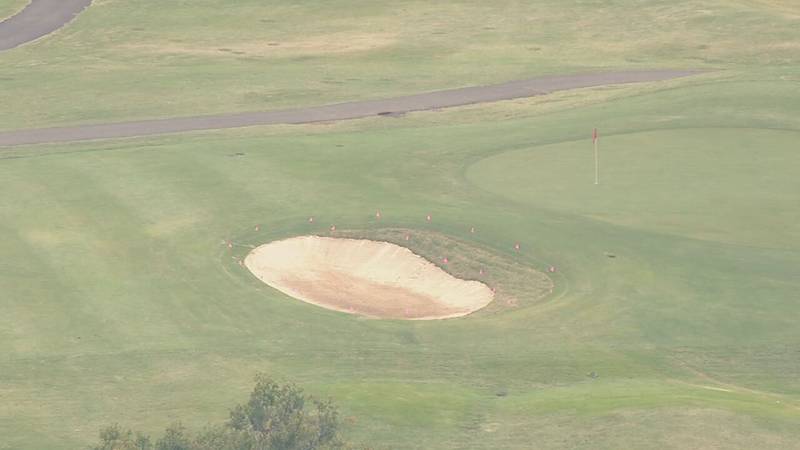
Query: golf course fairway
{"points": [[658, 309]]}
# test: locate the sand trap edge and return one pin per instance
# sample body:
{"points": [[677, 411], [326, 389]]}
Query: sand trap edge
{"points": [[314, 261]]}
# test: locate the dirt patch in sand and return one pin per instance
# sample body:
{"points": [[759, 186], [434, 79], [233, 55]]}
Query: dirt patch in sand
{"points": [[369, 278]]}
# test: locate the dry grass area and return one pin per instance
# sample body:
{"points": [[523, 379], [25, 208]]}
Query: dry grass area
{"points": [[327, 44], [207, 58], [10, 7], [790, 8]]}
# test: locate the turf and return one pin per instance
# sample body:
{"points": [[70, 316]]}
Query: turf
{"points": [[674, 181], [121, 302], [11, 7]]}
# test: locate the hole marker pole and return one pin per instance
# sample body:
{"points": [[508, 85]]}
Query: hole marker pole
{"points": [[596, 158]]}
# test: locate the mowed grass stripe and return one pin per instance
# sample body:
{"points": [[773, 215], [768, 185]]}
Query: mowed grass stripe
{"points": [[97, 244]]}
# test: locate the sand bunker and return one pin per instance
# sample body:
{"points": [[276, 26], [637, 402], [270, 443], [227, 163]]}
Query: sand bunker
{"points": [[374, 279]]}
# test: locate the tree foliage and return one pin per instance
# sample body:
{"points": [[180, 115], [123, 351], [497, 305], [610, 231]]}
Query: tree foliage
{"points": [[276, 417]]}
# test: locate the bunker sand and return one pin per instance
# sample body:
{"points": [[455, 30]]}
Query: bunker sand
{"points": [[368, 278]]}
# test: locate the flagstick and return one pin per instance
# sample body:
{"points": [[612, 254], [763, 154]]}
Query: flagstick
{"points": [[596, 163]]}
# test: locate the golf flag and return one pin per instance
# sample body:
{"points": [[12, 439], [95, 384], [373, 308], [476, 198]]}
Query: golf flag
{"points": [[595, 138]]}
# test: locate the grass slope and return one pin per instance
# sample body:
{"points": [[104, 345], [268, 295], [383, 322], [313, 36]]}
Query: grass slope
{"points": [[10, 7], [121, 302]]}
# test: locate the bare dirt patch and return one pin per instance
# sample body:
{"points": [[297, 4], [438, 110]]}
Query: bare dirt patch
{"points": [[369, 278]]}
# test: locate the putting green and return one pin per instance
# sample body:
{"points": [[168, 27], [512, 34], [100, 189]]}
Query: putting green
{"points": [[730, 185]]}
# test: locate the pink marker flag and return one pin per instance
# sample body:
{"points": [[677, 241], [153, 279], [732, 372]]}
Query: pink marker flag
{"points": [[445, 260]]}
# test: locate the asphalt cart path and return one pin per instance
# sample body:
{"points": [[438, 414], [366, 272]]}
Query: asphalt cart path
{"points": [[38, 19], [339, 111]]}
